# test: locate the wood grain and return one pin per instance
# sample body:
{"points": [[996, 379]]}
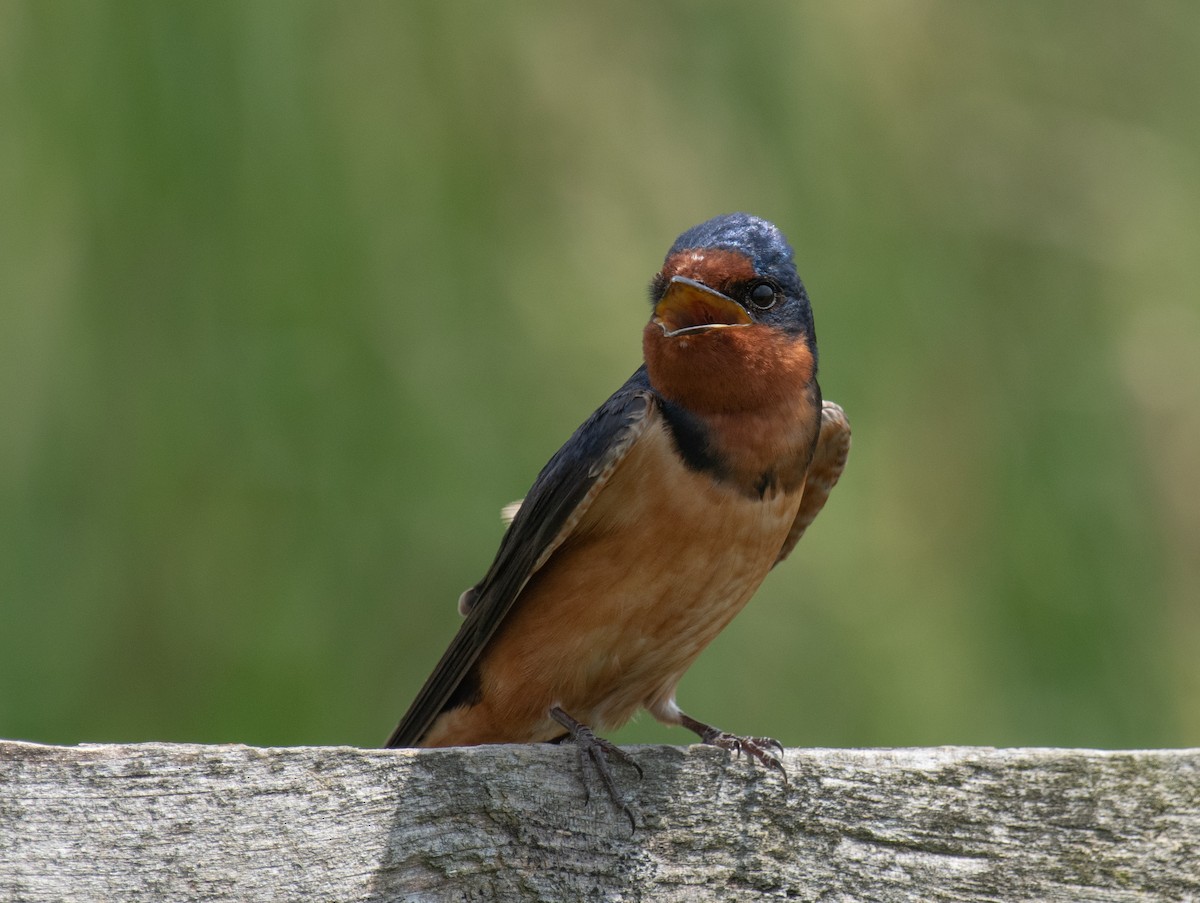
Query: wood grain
{"points": [[177, 822]]}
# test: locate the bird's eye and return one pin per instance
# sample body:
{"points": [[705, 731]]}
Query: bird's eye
{"points": [[762, 295]]}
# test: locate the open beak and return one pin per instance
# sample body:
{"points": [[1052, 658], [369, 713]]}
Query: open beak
{"points": [[688, 306]]}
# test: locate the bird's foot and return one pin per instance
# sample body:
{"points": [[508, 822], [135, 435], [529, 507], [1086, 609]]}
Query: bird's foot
{"points": [[593, 757], [757, 748]]}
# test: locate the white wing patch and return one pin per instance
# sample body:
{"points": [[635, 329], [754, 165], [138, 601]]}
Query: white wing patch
{"points": [[509, 512]]}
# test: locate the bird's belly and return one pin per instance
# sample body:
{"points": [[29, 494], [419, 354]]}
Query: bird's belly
{"points": [[664, 558]]}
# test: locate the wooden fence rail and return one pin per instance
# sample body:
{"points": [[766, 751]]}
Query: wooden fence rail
{"points": [[175, 822]]}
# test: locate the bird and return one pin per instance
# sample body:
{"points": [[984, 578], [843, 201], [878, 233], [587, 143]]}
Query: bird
{"points": [[655, 523]]}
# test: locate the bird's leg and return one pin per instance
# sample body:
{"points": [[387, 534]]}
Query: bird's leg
{"points": [[755, 747], [593, 755]]}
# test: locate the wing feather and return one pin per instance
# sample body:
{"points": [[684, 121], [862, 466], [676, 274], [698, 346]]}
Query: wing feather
{"points": [[546, 517], [829, 459]]}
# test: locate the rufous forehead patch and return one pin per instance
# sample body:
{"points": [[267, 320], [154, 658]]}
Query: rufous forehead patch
{"points": [[717, 268]]}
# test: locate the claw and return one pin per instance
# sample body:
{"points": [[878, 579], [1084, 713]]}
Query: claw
{"points": [[757, 748], [769, 741], [593, 757]]}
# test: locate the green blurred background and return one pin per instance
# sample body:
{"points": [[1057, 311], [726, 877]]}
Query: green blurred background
{"points": [[294, 297]]}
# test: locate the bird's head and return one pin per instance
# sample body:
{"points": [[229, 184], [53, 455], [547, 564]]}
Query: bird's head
{"points": [[732, 327]]}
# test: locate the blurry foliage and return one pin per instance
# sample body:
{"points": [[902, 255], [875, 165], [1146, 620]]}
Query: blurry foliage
{"points": [[293, 297]]}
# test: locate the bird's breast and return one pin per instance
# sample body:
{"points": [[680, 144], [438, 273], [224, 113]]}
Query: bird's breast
{"points": [[663, 559]]}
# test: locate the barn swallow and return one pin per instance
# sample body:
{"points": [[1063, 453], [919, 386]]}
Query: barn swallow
{"points": [[658, 519]]}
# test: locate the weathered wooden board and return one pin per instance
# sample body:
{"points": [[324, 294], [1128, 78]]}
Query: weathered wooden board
{"points": [[174, 822]]}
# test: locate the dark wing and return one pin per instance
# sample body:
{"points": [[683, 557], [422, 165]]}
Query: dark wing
{"points": [[550, 511], [829, 459]]}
